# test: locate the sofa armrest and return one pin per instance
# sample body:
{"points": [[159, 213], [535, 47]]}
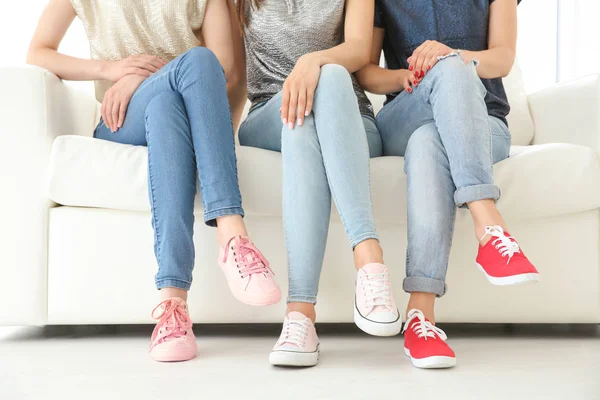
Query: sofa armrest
{"points": [[35, 108], [568, 113]]}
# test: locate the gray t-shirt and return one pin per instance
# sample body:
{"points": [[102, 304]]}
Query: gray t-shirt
{"points": [[280, 32]]}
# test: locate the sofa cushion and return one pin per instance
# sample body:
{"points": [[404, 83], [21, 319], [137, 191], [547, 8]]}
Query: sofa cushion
{"points": [[536, 181]]}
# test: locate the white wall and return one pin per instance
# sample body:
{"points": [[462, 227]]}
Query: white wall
{"points": [[18, 19], [537, 43], [579, 42], [578, 46]]}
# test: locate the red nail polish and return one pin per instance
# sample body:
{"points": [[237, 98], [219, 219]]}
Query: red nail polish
{"points": [[409, 90], [410, 68], [422, 74], [429, 68]]}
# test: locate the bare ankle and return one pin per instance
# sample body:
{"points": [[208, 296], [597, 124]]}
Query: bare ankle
{"points": [[170, 292], [424, 302], [306, 309], [485, 213], [230, 226], [367, 252]]}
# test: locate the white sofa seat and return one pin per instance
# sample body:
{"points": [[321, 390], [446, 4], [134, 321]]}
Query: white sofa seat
{"points": [[76, 239], [85, 172]]}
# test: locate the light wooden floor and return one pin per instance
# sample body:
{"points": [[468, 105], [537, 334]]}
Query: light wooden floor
{"points": [[558, 362]]}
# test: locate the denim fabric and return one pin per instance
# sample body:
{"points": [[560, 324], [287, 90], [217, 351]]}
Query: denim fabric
{"points": [[449, 143], [327, 156], [182, 114], [459, 24]]}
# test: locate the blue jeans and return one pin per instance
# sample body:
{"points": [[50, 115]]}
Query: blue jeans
{"points": [[182, 114], [328, 155], [450, 144]]}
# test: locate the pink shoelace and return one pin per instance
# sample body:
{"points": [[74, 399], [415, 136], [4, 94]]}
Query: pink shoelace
{"points": [[249, 259], [173, 321]]}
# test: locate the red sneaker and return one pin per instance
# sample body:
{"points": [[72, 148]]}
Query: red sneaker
{"points": [[425, 343], [502, 260]]}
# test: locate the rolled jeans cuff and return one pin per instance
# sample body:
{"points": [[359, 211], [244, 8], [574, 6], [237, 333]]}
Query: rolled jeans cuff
{"points": [[172, 283], [302, 299], [210, 218], [365, 236], [425, 285], [469, 194]]}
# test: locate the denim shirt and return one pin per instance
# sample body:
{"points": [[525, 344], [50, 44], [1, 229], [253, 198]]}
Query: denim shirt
{"points": [[459, 24]]}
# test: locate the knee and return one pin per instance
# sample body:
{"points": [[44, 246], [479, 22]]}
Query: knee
{"points": [[454, 73], [334, 78], [424, 150], [301, 139], [201, 59], [165, 106]]}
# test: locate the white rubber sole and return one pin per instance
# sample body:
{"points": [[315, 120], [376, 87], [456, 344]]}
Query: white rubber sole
{"points": [[167, 356], [373, 328], [435, 362], [294, 359], [510, 280]]}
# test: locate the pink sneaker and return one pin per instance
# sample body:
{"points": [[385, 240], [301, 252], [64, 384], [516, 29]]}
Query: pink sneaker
{"points": [[248, 273], [173, 338], [298, 345], [375, 310]]}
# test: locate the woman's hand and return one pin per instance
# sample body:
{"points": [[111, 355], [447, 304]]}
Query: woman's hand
{"points": [[116, 100], [299, 90], [426, 56], [407, 79], [143, 65]]}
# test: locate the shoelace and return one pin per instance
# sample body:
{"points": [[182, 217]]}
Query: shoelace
{"points": [[502, 243], [294, 332], [173, 321], [255, 264], [377, 290], [423, 328]]}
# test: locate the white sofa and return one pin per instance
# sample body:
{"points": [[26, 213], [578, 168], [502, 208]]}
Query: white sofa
{"points": [[76, 240]]}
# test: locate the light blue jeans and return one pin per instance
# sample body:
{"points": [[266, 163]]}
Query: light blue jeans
{"points": [[328, 155], [182, 114], [450, 144]]}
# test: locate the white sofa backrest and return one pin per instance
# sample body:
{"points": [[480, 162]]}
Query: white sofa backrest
{"points": [[519, 119]]}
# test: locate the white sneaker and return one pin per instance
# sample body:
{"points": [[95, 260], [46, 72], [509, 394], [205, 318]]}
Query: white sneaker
{"points": [[298, 345], [375, 310]]}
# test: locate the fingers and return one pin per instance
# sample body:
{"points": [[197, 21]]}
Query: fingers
{"points": [[424, 58], [145, 66], [103, 111], [137, 71], [122, 112], [407, 86], [115, 115], [285, 102], [432, 58], [415, 55], [310, 96], [291, 112], [107, 105], [301, 106], [420, 67], [414, 80], [154, 61]]}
